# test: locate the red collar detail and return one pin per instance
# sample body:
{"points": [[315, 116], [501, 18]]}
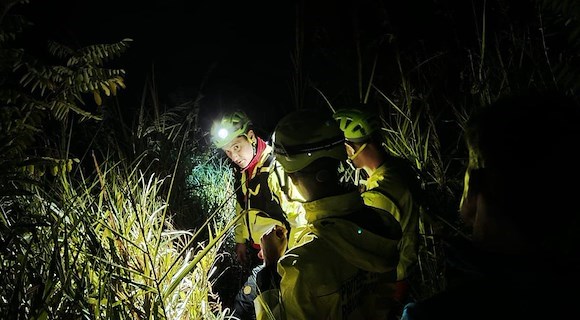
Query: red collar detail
{"points": [[259, 150]]}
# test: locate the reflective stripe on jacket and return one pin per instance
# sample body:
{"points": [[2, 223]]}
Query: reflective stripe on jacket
{"points": [[388, 189]]}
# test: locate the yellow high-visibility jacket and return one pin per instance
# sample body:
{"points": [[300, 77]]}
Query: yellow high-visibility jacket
{"points": [[263, 203], [389, 189], [343, 266]]}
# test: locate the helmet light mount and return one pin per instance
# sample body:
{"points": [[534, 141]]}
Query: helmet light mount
{"points": [[230, 126]]}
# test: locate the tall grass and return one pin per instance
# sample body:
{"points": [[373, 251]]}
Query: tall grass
{"points": [[100, 248], [101, 241]]}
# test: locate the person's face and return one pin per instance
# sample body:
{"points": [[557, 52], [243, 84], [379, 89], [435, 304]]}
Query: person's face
{"points": [[241, 150]]}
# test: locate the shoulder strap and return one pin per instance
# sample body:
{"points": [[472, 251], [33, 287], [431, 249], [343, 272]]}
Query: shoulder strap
{"points": [[268, 161], [239, 190], [282, 182]]}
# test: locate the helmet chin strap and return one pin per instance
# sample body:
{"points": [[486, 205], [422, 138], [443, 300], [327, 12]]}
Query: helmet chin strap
{"points": [[254, 144], [350, 162], [357, 152]]}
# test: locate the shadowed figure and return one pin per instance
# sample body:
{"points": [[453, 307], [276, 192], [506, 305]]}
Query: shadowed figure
{"points": [[520, 202]]}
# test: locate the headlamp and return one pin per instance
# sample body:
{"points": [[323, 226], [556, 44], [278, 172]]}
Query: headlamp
{"points": [[223, 133]]}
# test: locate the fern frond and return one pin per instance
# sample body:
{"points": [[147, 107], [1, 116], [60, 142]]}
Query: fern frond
{"points": [[96, 55], [12, 26], [59, 50], [62, 86]]}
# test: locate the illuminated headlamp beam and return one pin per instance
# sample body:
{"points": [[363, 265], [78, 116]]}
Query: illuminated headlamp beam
{"points": [[223, 133]]}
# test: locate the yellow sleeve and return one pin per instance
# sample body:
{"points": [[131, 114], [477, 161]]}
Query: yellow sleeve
{"points": [[292, 207], [268, 305], [299, 302], [292, 301], [240, 229]]}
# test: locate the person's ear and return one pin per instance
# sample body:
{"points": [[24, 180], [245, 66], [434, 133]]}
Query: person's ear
{"points": [[251, 137], [472, 186], [349, 149], [322, 176]]}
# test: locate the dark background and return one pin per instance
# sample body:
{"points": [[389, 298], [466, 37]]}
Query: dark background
{"points": [[239, 53], [231, 52], [236, 54]]}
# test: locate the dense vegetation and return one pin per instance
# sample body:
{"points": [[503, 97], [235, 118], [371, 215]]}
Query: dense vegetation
{"points": [[104, 216]]}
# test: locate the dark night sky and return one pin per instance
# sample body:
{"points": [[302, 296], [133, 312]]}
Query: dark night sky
{"points": [[243, 48]]}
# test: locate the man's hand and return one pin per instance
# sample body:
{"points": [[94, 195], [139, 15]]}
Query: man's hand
{"points": [[274, 243], [241, 255]]}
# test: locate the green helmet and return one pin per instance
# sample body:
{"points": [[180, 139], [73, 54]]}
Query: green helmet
{"points": [[304, 136], [357, 125], [230, 126]]}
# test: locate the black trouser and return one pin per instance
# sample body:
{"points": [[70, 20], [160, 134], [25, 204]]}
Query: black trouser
{"points": [[244, 300]]}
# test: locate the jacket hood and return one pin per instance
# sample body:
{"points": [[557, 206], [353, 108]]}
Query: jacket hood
{"points": [[330, 219]]}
